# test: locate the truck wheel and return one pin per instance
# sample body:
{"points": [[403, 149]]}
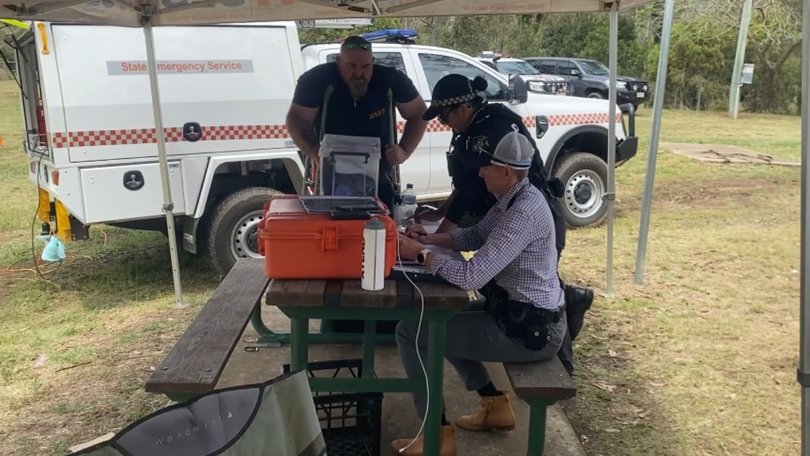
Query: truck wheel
{"points": [[234, 229], [596, 94], [584, 179]]}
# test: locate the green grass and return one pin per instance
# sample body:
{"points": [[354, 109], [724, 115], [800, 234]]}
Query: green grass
{"points": [[698, 360]]}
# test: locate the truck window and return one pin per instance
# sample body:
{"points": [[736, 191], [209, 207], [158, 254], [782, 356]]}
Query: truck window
{"points": [[564, 67], [437, 66], [546, 67], [389, 59]]}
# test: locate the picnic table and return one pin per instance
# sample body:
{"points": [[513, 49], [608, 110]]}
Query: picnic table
{"points": [[195, 363], [302, 300]]}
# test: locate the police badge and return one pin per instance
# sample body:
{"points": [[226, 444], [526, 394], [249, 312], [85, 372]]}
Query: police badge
{"points": [[480, 144]]}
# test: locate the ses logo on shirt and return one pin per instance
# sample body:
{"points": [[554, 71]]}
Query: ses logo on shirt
{"points": [[376, 114]]}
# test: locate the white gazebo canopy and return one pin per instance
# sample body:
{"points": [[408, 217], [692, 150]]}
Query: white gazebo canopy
{"points": [[187, 12]]}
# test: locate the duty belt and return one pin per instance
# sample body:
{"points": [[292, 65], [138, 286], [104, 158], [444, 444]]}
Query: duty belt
{"points": [[521, 321]]}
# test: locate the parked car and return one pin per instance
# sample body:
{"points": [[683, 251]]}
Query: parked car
{"points": [[537, 82], [590, 78]]}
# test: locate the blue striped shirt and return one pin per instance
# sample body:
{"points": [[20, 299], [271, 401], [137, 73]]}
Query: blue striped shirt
{"points": [[515, 246]]}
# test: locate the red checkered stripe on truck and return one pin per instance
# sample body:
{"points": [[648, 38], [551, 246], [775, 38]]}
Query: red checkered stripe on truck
{"points": [[531, 121], [92, 138]]}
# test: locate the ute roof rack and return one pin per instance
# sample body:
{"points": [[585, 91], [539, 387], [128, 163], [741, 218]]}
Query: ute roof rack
{"points": [[400, 36]]}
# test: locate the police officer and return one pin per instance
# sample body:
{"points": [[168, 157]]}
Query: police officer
{"points": [[354, 96], [460, 103]]}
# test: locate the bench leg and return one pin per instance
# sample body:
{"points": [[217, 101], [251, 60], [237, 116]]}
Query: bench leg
{"points": [[369, 341], [537, 425], [299, 345], [435, 371]]}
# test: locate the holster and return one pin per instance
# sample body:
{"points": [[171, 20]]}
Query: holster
{"points": [[520, 320]]}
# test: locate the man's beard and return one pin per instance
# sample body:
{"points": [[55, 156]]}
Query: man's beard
{"points": [[358, 88]]}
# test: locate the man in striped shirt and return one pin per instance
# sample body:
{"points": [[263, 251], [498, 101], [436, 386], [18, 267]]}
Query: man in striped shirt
{"points": [[516, 254]]}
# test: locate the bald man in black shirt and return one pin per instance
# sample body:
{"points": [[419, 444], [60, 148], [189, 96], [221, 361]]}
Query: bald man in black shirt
{"points": [[353, 96]]}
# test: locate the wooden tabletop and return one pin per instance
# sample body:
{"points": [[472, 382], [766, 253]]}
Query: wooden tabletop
{"points": [[397, 294]]}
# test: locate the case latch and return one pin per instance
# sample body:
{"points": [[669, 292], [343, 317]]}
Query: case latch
{"points": [[330, 239]]}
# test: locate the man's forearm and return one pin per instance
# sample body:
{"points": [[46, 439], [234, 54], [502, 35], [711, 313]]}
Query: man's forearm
{"points": [[303, 136], [412, 134], [441, 239]]}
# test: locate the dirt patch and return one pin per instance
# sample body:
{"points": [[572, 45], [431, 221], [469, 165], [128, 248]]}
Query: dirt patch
{"points": [[722, 192], [725, 153]]}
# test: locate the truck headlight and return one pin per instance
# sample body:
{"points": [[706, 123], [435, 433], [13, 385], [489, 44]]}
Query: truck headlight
{"points": [[537, 86]]}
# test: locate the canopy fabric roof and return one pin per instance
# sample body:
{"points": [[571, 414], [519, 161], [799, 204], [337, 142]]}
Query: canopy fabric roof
{"points": [[188, 12]]}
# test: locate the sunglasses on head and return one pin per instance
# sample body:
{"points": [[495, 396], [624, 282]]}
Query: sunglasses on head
{"points": [[357, 45]]}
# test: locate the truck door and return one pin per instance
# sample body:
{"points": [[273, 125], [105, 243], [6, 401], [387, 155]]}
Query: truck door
{"points": [[564, 68]]}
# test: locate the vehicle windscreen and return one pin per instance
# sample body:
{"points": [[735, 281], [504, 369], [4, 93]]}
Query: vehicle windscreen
{"points": [[516, 68], [594, 68]]}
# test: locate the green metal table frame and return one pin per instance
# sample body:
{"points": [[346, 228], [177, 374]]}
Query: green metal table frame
{"points": [[435, 320], [326, 335]]}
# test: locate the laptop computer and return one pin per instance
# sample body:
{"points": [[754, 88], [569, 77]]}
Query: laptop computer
{"points": [[415, 272]]}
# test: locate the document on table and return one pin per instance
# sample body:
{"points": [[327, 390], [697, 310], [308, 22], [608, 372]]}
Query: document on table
{"points": [[413, 267]]}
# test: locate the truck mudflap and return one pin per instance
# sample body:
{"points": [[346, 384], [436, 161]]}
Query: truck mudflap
{"points": [[59, 221], [626, 150], [628, 147]]}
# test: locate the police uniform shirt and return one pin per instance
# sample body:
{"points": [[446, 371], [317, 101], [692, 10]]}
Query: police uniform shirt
{"points": [[369, 116], [471, 195]]}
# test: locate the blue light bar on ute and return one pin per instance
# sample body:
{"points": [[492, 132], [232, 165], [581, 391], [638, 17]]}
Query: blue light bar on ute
{"points": [[385, 34]]}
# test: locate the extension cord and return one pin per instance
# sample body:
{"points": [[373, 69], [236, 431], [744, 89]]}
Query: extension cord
{"points": [[418, 354]]}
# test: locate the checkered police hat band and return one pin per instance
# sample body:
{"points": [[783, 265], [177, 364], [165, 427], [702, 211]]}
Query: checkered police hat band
{"points": [[454, 100]]}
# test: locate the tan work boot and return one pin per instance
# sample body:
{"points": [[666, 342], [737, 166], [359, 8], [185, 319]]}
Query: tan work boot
{"points": [[446, 448], [495, 413]]}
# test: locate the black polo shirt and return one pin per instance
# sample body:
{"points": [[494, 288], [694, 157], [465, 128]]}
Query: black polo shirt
{"points": [[369, 116]]}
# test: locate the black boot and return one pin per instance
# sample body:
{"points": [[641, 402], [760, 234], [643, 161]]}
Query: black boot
{"points": [[577, 301]]}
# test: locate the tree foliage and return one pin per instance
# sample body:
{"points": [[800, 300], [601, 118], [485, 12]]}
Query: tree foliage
{"points": [[702, 46]]}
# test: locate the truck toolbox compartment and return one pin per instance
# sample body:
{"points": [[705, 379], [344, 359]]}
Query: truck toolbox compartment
{"points": [[129, 192], [298, 245]]}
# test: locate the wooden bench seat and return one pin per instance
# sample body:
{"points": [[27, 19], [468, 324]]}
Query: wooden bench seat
{"points": [[540, 384], [195, 363]]}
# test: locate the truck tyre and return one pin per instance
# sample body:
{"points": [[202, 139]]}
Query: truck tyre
{"points": [[596, 94], [584, 179], [234, 229]]}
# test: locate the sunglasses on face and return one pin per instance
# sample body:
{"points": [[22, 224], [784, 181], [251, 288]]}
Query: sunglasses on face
{"points": [[446, 112]]}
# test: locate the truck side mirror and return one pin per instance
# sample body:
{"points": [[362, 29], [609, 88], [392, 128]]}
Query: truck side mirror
{"points": [[576, 73], [518, 91]]}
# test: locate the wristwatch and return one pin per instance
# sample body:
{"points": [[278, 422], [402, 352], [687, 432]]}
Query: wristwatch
{"points": [[422, 257]]}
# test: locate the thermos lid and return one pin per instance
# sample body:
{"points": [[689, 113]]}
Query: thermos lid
{"points": [[375, 224]]}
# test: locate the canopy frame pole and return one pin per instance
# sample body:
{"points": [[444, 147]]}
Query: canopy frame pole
{"points": [[610, 195], [168, 205], [803, 375], [658, 105]]}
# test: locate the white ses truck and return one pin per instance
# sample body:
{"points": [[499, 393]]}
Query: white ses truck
{"points": [[225, 92]]}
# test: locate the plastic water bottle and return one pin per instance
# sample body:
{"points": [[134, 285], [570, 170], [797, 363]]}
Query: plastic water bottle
{"points": [[373, 256], [408, 204]]}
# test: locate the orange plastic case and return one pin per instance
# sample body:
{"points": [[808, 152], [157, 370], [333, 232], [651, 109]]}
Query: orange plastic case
{"points": [[297, 245]]}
